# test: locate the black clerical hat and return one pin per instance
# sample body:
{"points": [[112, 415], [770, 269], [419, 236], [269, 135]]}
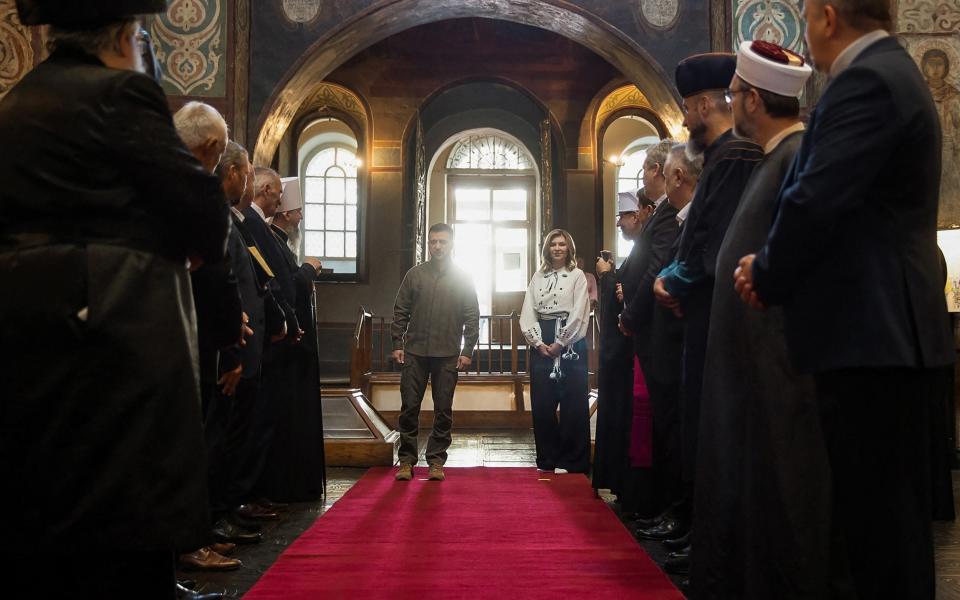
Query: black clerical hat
{"points": [[702, 72], [83, 14]]}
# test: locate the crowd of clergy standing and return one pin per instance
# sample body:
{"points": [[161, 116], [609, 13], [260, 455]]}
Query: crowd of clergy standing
{"points": [[775, 351]]}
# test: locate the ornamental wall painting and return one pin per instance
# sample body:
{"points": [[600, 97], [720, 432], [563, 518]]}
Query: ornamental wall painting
{"points": [[928, 16], [190, 40], [938, 57], [776, 21], [16, 49]]}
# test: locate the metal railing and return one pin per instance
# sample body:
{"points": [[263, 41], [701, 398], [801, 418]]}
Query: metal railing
{"points": [[502, 349]]}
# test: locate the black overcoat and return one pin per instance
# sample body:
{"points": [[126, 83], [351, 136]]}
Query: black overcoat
{"points": [[100, 426]]}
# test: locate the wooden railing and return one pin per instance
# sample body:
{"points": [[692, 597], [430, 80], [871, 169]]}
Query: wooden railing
{"points": [[502, 349]]}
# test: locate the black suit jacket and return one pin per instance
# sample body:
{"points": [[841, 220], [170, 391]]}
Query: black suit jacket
{"points": [[852, 255], [656, 241], [282, 285], [266, 317]]}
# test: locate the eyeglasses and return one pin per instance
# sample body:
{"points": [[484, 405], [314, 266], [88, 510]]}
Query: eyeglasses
{"points": [[729, 94]]}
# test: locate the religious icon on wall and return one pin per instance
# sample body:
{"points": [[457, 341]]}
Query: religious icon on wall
{"points": [[939, 61], [935, 65]]}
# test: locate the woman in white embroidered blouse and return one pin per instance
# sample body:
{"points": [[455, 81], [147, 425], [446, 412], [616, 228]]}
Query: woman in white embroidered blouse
{"points": [[554, 320]]}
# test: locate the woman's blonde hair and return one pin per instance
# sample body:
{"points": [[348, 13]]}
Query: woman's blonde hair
{"points": [[546, 265]]}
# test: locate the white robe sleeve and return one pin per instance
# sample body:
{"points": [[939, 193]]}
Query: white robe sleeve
{"points": [[529, 321], [578, 321]]}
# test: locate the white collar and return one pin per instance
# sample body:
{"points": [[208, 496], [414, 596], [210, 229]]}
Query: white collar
{"points": [[775, 140], [660, 200], [259, 210], [851, 52], [682, 214], [238, 214]]}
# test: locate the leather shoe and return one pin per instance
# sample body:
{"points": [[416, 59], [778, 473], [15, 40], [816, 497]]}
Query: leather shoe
{"points": [[188, 594], [668, 529], [672, 545], [222, 548], [187, 583], [678, 564], [206, 559], [255, 512], [649, 522], [225, 531], [272, 505]]}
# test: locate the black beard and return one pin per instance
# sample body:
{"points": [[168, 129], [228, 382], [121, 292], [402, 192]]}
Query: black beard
{"points": [[698, 139]]}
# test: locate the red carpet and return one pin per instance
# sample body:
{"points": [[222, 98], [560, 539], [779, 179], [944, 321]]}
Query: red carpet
{"points": [[483, 533]]}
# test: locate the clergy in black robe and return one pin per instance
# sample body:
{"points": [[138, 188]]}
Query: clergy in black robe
{"points": [[762, 489], [295, 469], [728, 162], [615, 378]]}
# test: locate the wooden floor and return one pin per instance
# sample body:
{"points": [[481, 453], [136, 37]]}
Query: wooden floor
{"points": [[484, 448]]}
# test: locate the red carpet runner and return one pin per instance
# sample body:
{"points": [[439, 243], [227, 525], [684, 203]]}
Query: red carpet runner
{"points": [[483, 533]]}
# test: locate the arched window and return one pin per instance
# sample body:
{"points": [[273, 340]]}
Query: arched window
{"points": [[331, 217], [491, 203], [488, 152]]}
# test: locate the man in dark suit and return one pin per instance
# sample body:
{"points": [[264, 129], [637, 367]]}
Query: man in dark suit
{"points": [[102, 210], [852, 258], [615, 379], [663, 368], [229, 425]]}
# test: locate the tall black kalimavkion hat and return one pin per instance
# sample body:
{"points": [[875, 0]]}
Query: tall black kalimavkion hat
{"points": [[83, 14], [702, 72]]}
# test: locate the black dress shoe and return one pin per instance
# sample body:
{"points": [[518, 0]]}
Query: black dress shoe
{"points": [[648, 522], [668, 529], [677, 565], [188, 594], [187, 583], [679, 543], [225, 531], [681, 554]]}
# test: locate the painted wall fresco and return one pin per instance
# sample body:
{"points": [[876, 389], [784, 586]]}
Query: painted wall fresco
{"points": [[776, 21], [928, 30], [191, 44], [16, 48]]}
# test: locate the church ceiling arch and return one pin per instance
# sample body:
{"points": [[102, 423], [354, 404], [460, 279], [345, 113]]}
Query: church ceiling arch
{"points": [[328, 96], [627, 96], [391, 17]]}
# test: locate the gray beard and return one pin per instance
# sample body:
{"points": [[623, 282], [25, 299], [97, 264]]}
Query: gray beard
{"points": [[293, 233]]}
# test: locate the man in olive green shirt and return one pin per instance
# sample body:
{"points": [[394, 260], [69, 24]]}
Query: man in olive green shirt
{"points": [[436, 322]]}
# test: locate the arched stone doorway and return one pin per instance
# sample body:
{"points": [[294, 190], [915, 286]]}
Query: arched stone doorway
{"points": [[383, 21]]}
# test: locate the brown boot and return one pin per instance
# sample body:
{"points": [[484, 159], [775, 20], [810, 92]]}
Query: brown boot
{"points": [[436, 472], [405, 472], [206, 559]]}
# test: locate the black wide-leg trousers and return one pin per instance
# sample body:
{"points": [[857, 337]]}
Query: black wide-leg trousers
{"points": [[565, 442]]}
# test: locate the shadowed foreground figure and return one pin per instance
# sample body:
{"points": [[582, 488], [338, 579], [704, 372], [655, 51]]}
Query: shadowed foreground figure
{"points": [[100, 424]]}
